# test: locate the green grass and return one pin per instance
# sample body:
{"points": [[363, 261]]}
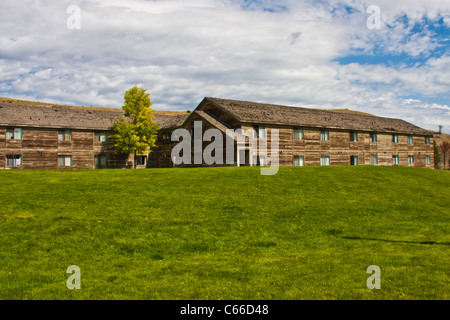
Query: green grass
{"points": [[225, 233]]}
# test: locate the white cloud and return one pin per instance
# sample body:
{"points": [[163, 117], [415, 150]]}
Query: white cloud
{"points": [[185, 50]]}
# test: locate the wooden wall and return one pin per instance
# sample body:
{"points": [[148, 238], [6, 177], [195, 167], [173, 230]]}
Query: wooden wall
{"points": [[39, 148]]}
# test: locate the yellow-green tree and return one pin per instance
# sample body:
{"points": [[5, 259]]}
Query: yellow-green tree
{"points": [[136, 132]]}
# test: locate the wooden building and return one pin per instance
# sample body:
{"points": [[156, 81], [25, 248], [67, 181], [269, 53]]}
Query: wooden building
{"points": [[58, 137], [306, 136]]}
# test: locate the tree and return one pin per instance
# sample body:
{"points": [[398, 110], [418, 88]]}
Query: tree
{"points": [[444, 148], [437, 157], [136, 132]]}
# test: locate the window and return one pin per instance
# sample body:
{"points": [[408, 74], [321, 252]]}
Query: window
{"points": [[325, 160], [353, 136], [374, 160], [299, 161], [260, 131], [64, 135], [410, 159], [13, 160], [395, 160], [428, 159], [324, 135], [354, 160], [298, 134], [410, 139], [141, 160], [427, 140], [14, 134], [100, 161], [395, 138], [167, 136], [100, 136], [64, 161], [373, 137]]}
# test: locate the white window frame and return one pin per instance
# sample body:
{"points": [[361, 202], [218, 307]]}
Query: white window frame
{"points": [[395, 160], [374, 160], [16, 160], [395, 138], [324, 135], [299, 161], [67, 159], [299, 134], [14, 134], [325, 160], [373, 137]]}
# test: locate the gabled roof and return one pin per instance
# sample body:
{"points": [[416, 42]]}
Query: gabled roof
{"points": [[74, 118], [262, 113]]}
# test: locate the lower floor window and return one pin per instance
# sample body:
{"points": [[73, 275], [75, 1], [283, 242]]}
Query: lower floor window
{"points": [[325, 160], [64, 161], [299, 161], [141, 160], [394, 160], [259, 161], [100, 161], [354, 160], [13, 160], [428, 159], [410, 159], [374, 160]]}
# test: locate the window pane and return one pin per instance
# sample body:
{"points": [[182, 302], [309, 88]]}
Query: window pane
{"points": [[96, 161], [68, 135], [261, 132], [60, 135], [67, 161], [324, 160], [298, 133], [299, 161], [103, 161], [9, 133], [18, 133], [374, 160], [61, 161], [324, 135]]}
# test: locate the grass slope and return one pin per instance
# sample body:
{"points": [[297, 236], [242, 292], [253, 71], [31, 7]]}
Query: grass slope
{"points": [[225, 233]]}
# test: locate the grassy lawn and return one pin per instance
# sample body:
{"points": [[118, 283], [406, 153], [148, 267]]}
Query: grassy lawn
{"points": [[225, 233]]}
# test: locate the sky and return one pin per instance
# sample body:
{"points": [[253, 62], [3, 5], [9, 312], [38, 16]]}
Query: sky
{"points": [[389, 58]]}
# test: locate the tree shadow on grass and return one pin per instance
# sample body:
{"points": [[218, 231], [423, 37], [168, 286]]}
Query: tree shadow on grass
{"points": [[399, 241]]}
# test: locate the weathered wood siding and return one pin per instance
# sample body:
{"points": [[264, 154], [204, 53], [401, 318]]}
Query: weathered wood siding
{"points": [[39, 148]]}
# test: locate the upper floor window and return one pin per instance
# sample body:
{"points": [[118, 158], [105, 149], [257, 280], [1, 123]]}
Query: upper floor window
{"points": [[167, 136], [100, 136], [427, 140], [64, 135], [373, 137], [14, 134], [13, 160], [260, 131], [395, 138], [410, 139], [324, 135], [298, 134], [353, 136]]}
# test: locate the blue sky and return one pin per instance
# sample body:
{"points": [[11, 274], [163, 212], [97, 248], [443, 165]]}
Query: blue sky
{"points": [[319, 54]]}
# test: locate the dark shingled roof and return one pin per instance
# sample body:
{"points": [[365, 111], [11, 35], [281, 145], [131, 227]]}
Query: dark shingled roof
{"points": [[252, 112], [72, 118]]}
